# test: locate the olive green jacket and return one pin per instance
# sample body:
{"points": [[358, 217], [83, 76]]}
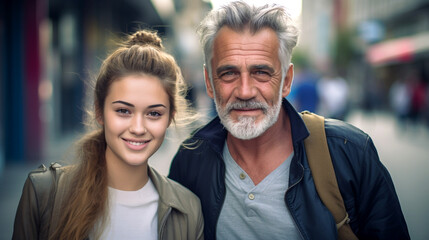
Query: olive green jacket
{"points": [[179, 210]]}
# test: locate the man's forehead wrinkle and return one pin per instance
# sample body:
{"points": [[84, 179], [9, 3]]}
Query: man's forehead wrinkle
{"points": [[242, 49], [257, 46]]}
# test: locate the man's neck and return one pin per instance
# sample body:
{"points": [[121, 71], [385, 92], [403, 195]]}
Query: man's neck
{"points": [[262, 155]]}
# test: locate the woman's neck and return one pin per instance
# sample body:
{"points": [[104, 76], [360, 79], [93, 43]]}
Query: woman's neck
{"points": [[126, 177]]}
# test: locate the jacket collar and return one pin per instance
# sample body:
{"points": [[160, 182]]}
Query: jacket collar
{"points": [[215, 133], [168, 195]]}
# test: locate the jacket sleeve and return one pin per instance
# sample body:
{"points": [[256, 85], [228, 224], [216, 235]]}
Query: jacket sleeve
{"points": [[379, 212], [27, 217]]}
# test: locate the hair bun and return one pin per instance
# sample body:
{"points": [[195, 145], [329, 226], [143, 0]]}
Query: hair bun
{"points": [[144, 37]]}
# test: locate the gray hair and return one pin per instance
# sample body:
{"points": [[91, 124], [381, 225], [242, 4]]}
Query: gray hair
{"points": [[238, 16]]}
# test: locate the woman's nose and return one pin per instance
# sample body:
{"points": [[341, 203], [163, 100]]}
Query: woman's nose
{"points": [[137, 126]]}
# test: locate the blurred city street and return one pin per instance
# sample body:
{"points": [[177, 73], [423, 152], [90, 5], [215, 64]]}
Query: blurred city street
{"points": [[405, 154], [363, 61]]}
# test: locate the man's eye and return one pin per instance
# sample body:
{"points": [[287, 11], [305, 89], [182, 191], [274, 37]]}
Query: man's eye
{"points": [[262, 76], [261, 73], [228, 76]]}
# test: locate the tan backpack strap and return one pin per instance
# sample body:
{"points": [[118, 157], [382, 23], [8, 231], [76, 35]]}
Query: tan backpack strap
{"points": [[319, 160]]}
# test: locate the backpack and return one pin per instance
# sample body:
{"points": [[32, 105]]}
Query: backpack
{"points": [[319, 160]]}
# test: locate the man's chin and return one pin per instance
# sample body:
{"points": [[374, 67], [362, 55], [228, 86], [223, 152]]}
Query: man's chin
{"points": [[244, 131]]}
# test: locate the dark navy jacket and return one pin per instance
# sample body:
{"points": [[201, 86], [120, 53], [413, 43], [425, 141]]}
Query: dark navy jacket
{"points": [[365, 184]]}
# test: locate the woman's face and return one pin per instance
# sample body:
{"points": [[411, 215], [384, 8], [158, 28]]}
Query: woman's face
{"points": [[135, 118]]}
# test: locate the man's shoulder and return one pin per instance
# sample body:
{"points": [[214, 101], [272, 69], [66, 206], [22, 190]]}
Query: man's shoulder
{"points": [[213, 128], [341, 130], [210, 136]]}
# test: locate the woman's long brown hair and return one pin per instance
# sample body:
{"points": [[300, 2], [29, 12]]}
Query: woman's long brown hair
{"points": [[86, 197], [85, 205]]}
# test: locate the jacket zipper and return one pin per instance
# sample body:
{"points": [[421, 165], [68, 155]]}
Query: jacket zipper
{"points": [[163, 221], [287, 205]]}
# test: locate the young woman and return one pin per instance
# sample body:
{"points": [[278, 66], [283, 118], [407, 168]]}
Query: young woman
{"points": [[112, 193]]}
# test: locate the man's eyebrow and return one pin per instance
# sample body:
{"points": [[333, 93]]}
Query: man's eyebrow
{"points": [[123, 102], [223, 68], [263, 67]]}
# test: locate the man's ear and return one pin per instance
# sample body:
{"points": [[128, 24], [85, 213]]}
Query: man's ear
{"points": [[287, 84], [209, 87]]}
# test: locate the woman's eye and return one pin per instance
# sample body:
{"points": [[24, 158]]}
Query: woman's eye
{"points": [[123, 111], [154, 114]]}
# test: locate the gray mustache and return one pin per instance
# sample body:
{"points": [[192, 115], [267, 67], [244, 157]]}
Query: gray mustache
{"points": [[247, 104]]}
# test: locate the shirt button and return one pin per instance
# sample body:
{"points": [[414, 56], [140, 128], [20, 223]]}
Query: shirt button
{"points": [[242, 176], [251, 196]]}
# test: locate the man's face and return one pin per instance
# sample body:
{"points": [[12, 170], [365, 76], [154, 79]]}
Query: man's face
{"points": [[247, 81]]}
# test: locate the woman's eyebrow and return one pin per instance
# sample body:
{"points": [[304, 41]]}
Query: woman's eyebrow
{"points": [[157, 105], [123, 102], [131, 105]]}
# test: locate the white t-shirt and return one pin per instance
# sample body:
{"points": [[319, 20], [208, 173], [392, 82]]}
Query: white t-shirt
{"points": [[133, 214]]}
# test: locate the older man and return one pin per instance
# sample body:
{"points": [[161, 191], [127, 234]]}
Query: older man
{"points": [[249, 166]]}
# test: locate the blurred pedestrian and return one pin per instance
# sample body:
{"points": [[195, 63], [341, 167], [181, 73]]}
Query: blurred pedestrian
{"points": [[418, 100], [305, 92], [400, 100], [334, 92], [112, 192], [249, 165]]}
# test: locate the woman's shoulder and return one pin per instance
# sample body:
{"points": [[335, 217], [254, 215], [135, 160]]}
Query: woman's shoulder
{"points": [[44, 178], [43, 173]]}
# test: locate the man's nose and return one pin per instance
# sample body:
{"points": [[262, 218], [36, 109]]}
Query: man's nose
{"points": [[246, 89]]}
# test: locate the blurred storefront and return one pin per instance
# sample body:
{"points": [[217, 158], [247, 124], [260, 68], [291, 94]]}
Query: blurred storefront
{"points": [[372, 44], [403, 45], [49, 51], [399, 57]]}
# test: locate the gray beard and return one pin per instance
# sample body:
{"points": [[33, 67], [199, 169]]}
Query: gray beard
{"points": [[246, 128]]}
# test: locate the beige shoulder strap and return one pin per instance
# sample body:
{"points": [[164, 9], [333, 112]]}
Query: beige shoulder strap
{"points": [[320, 163]]}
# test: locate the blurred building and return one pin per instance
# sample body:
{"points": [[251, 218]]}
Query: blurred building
{"points": [[49, 51], [317, 30], [52, 49], [394, 39], [369, 42]]}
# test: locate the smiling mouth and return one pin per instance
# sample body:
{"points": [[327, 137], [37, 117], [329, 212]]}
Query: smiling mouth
{"points": [[134, 143]]}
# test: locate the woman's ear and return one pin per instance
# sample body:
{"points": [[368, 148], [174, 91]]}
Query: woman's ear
{"points": [[99, 116], [172, 115]]}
